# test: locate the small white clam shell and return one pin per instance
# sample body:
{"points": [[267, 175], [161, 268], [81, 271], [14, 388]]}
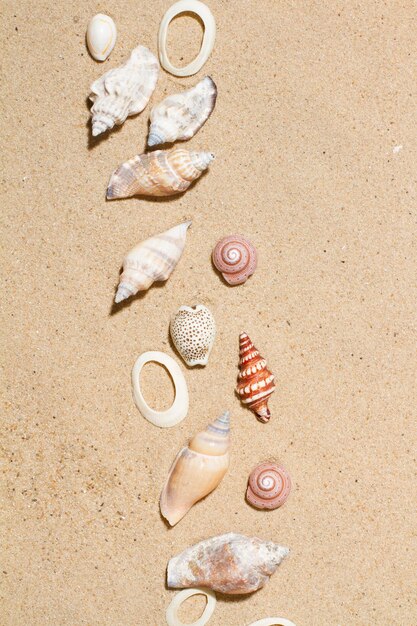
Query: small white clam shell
{"points": [[200, 9], [179, 408], [182, 596], [273, 621], [101, 36]]}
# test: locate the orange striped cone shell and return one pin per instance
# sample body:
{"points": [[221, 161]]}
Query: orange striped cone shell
{"points": [[255, 383]]}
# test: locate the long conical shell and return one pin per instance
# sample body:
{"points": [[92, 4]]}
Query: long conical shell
{"points": [[230, 563], [255, 382], [197, 470], [152, 260], [180, 116], [124, 90], [159, 173]]}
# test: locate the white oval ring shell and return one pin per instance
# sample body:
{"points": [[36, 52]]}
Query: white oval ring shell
{"points": [[101, 36], [273, 621], [179, 408], [200, 9], [182, 596]]}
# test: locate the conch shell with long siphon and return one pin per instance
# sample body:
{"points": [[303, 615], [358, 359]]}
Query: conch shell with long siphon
{"points": [[159, 173], [230, 563], [197, 470], [180, 116], [152, 260], [255, 382], [123, 91]]}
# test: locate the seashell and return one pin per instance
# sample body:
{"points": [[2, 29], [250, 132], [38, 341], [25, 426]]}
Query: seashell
{"points": [[230, 563], [123, 91], [179, 408], [172, 610], [236, 258], [197, 470], [206, 16], [159, 173], [152, 260], [255, 382], [269, 486], [180, 116], [101, 36], [193, 330], [272, 621]]}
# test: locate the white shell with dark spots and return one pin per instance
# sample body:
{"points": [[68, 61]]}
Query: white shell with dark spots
{"points": [[193, 330]]}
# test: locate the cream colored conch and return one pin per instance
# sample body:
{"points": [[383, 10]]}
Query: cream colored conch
{"points": [[152, 260], [123, 91], [197, 470], [101, 36], [181, 115], [206, 16]]}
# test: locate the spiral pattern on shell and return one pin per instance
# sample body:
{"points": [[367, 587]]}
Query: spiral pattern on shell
{"points": [[236, 258], [269, 486]]}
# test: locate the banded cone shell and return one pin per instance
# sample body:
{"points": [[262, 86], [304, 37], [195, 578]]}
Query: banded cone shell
{"points": [[236, 258], [255, 382], [152, 260], [269, 486], [231, 563], [197, 470], [181, 115], [123, 91], [159, 173]]}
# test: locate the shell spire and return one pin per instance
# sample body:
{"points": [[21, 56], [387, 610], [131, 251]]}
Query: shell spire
{"points": [[197, 470], [255, 381], [152, 260], [158, 173]]}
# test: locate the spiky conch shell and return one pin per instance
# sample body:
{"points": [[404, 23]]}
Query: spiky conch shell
{"points": [[152, 260], [159, 173], [231, 563], [255, 382], [181, 115], [124, 90], [197, 470]]}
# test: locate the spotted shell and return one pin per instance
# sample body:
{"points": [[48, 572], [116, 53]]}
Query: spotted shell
{"points": [[269, 486], [193, 330], [236, 258]]}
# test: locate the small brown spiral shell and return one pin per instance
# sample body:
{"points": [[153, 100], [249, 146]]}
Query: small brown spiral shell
{"points": [[269, 486], [236, 258]]}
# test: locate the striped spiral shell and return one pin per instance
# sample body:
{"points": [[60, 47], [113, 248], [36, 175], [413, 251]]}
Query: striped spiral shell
{"points": [[269, 486], [236, 258], [255, 383]]}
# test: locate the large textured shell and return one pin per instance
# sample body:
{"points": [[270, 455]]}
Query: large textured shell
{"points": [[269, 486], [159, 173], [193, 330], [255, 382], [101, 36], [236, 258], [180, 116], [123, 91], [197, 470], [152, 260], [230, 563]]}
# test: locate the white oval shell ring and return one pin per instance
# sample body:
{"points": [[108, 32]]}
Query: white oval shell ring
{"points": [[182, 596], [179, 408], [200, 9]]}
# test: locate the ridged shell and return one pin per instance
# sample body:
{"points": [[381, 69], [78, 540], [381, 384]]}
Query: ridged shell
{"points": [[180, 116], [193, 330], [269, 486], [255, 381], [159, 173], [236, 258], [152, 260], [123, 91], [101, 36], [197, 470], [230, 563]]}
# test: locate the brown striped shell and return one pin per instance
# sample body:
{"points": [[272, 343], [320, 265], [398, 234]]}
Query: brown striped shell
{"points": [[255, 383], [269, 486], [236, 258]]}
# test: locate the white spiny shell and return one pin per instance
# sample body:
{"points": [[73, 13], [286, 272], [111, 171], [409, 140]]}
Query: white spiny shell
{"points": [[229, 563], [193, 330], [124, 90], [152, 260], [181, 115], [101, 36]]}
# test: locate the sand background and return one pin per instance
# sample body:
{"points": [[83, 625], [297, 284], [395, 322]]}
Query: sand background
{"points": [[315, 140]]}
